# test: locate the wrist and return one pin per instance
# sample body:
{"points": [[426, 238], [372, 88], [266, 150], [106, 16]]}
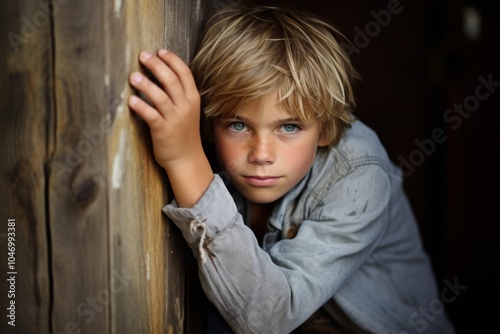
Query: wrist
{"points": [[189, 177], [185, 161]]}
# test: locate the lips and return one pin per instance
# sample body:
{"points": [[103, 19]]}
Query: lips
{"points": [[262, 181]]}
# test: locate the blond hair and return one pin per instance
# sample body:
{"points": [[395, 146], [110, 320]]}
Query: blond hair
{"points": [[247, 53]]}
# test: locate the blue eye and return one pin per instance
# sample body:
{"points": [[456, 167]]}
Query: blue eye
{"points": [[289, 128], [237, 126]]}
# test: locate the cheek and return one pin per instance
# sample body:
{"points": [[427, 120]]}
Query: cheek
{"points": [[228, 156], [301, 158]]}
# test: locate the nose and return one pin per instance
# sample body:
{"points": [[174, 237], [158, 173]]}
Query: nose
{"points": [[262, 150]]}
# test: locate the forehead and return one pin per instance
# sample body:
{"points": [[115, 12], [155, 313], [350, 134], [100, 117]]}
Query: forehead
{"points": [[267, 106]]}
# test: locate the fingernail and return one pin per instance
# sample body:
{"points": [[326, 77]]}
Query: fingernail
{"points": [[145, 55], [136, 77], [133, 100], [162, 52]]}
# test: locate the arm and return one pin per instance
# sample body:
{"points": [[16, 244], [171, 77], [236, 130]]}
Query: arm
{"points": [[257, 292], [173, 119]]}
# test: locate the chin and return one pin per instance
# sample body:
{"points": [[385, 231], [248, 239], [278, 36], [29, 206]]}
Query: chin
{"points": [[261, 197]]}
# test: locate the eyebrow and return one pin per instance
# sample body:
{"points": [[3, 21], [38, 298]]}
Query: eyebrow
{"points": [[275, 123]]}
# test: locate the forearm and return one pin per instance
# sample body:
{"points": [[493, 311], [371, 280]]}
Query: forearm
{"points": [[249, 290], [190, 178]]}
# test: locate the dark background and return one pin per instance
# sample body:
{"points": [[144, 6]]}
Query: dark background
{"points": [[415, 67]]}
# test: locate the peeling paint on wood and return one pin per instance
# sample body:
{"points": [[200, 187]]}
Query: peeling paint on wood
{"points": [[119, 161], [118, 7]]}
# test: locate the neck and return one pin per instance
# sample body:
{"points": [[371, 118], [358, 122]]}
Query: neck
{"points": [[257, 217]]}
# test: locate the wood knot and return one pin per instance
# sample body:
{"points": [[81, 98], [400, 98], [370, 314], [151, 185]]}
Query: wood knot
{"points": [[87, 192]]}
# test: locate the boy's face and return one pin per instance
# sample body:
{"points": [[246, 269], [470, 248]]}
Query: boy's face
{"points": [[265, 150]]}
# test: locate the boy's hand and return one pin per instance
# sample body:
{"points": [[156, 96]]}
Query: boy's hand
{"points": [[174, 116], [174, 121]]}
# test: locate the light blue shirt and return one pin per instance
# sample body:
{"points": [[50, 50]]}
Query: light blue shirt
{"points": [[356, 250]]}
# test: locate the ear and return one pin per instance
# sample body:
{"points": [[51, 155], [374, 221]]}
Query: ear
{"points": [[323, 141]]}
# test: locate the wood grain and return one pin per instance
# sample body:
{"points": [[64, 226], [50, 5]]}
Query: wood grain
{"points": [[25, 107], [77, 171], [78, 198], [137, 185]]}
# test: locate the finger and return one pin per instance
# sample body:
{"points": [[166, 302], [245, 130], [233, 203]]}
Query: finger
{"points": [[180, 68], [149, 114], [154, 93], [166, 76]]}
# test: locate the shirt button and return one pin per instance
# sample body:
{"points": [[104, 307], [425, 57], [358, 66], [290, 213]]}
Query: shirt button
{"points": [[292, 231]]}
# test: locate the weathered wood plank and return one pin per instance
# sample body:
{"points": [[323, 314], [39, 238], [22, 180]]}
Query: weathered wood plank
{"points": [[77, 193], [137, 186], [25, 102], [144, 243]]}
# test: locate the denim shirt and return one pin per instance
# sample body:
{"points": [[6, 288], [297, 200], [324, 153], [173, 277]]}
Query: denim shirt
{"points": [[344, 238]]}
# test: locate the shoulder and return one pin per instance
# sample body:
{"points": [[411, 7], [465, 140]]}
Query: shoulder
{"points": [[359, 149], [360, 143]]}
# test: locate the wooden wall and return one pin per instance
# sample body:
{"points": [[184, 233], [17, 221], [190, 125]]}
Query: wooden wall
{"points": [[93, 252]]}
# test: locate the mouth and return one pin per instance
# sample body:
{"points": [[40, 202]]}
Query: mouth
{"points": [[261, 181]]}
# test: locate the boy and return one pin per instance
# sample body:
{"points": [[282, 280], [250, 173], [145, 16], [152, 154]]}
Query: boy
{"points": [[307, 213]]}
